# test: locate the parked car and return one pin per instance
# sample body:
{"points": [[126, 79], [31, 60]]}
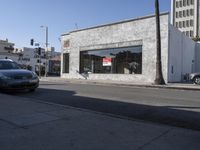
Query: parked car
{"points": [[195, 78], [12, 77]]}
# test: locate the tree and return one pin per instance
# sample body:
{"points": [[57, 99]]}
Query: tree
{"points": [[196, 39], [159, 76]]}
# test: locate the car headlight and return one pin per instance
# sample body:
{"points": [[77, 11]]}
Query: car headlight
{"points": [[4, 77]]}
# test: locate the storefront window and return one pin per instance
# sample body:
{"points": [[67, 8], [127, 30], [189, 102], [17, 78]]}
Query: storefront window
{"points": [[126, 60], [66, 63]]}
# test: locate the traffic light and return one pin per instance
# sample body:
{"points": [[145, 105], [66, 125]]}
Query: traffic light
{"points": [[32, 42], [39, 50]]}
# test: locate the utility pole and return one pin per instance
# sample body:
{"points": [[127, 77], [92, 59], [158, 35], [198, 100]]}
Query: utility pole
{"points": [[47, 55], [39, 53], [159, 76], [46, 44]]}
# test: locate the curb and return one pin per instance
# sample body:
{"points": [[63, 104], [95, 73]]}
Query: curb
{"points": [[125, 85]]}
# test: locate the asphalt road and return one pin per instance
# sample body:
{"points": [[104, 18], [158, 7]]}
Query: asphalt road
{"points": [[173, 107]]}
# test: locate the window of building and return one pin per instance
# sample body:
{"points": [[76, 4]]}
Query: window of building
{"points": [[66, 63], [184, 2], [192, 2], [188, 12], [180, 3], [180, 24], [112, 61], [177, 4], [183, 24], [187, 33], [177, 24], [180, 14], [191, 23], [184, 13], [188, 2], [187, 23], [177, 15], [191, 33], [191, 12]]}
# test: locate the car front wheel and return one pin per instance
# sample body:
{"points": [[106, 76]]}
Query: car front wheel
{"points": [[197, 80], [32, 90]]}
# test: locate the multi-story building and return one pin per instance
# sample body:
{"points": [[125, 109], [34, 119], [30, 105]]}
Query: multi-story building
{"points": [[6, 47], [29, 58], [6, 50], [185, 16], [52, 53]]}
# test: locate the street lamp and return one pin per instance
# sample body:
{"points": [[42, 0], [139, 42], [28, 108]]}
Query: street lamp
{"points": [[46, 44]]}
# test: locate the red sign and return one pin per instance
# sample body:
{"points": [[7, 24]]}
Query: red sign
{"points": [[107, 61]]}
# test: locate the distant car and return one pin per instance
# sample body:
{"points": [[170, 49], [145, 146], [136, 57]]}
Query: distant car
{"points": [[195, 78], [12, 77]]}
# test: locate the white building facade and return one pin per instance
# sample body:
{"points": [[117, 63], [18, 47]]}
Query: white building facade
{"points": [[126, 51], [6, 47], [28, 57], [6, 50], [185, 16]]}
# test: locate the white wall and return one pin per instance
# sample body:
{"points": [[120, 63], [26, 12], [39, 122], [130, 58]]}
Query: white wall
{"points": [[181, 55], [4, 44], [197, 58], [28, 57]]}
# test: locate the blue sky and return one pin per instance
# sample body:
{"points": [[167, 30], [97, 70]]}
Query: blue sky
{"points": [[21, 19]]}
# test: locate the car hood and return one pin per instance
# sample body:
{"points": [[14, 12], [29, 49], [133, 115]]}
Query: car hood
{"points": [[17, 73]]}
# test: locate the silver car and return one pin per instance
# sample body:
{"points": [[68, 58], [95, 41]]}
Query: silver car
{"points": [[195, 78], [12, 77]]}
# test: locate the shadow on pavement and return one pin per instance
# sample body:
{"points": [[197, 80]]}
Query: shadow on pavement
{"points": [[170, 115]]}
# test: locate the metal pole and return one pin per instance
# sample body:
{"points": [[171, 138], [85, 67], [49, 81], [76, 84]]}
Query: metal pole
{"points": [[46, 36], [39, 64], [46, 68]]}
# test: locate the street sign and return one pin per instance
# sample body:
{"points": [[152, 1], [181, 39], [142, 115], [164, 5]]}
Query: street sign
{"points": [[107, 61], [37, 44]]}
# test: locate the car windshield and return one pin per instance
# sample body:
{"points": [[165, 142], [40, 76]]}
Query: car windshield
{"points": [[8, 65]]}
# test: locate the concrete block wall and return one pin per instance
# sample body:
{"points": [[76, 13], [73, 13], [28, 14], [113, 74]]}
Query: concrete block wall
{"points": [[127, 33]]}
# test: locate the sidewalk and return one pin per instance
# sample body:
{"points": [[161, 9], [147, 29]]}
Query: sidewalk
{"points": [[178, 86], [26, 124]]}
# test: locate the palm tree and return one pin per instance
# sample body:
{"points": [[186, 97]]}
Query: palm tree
{"points": [[159, 76]]}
